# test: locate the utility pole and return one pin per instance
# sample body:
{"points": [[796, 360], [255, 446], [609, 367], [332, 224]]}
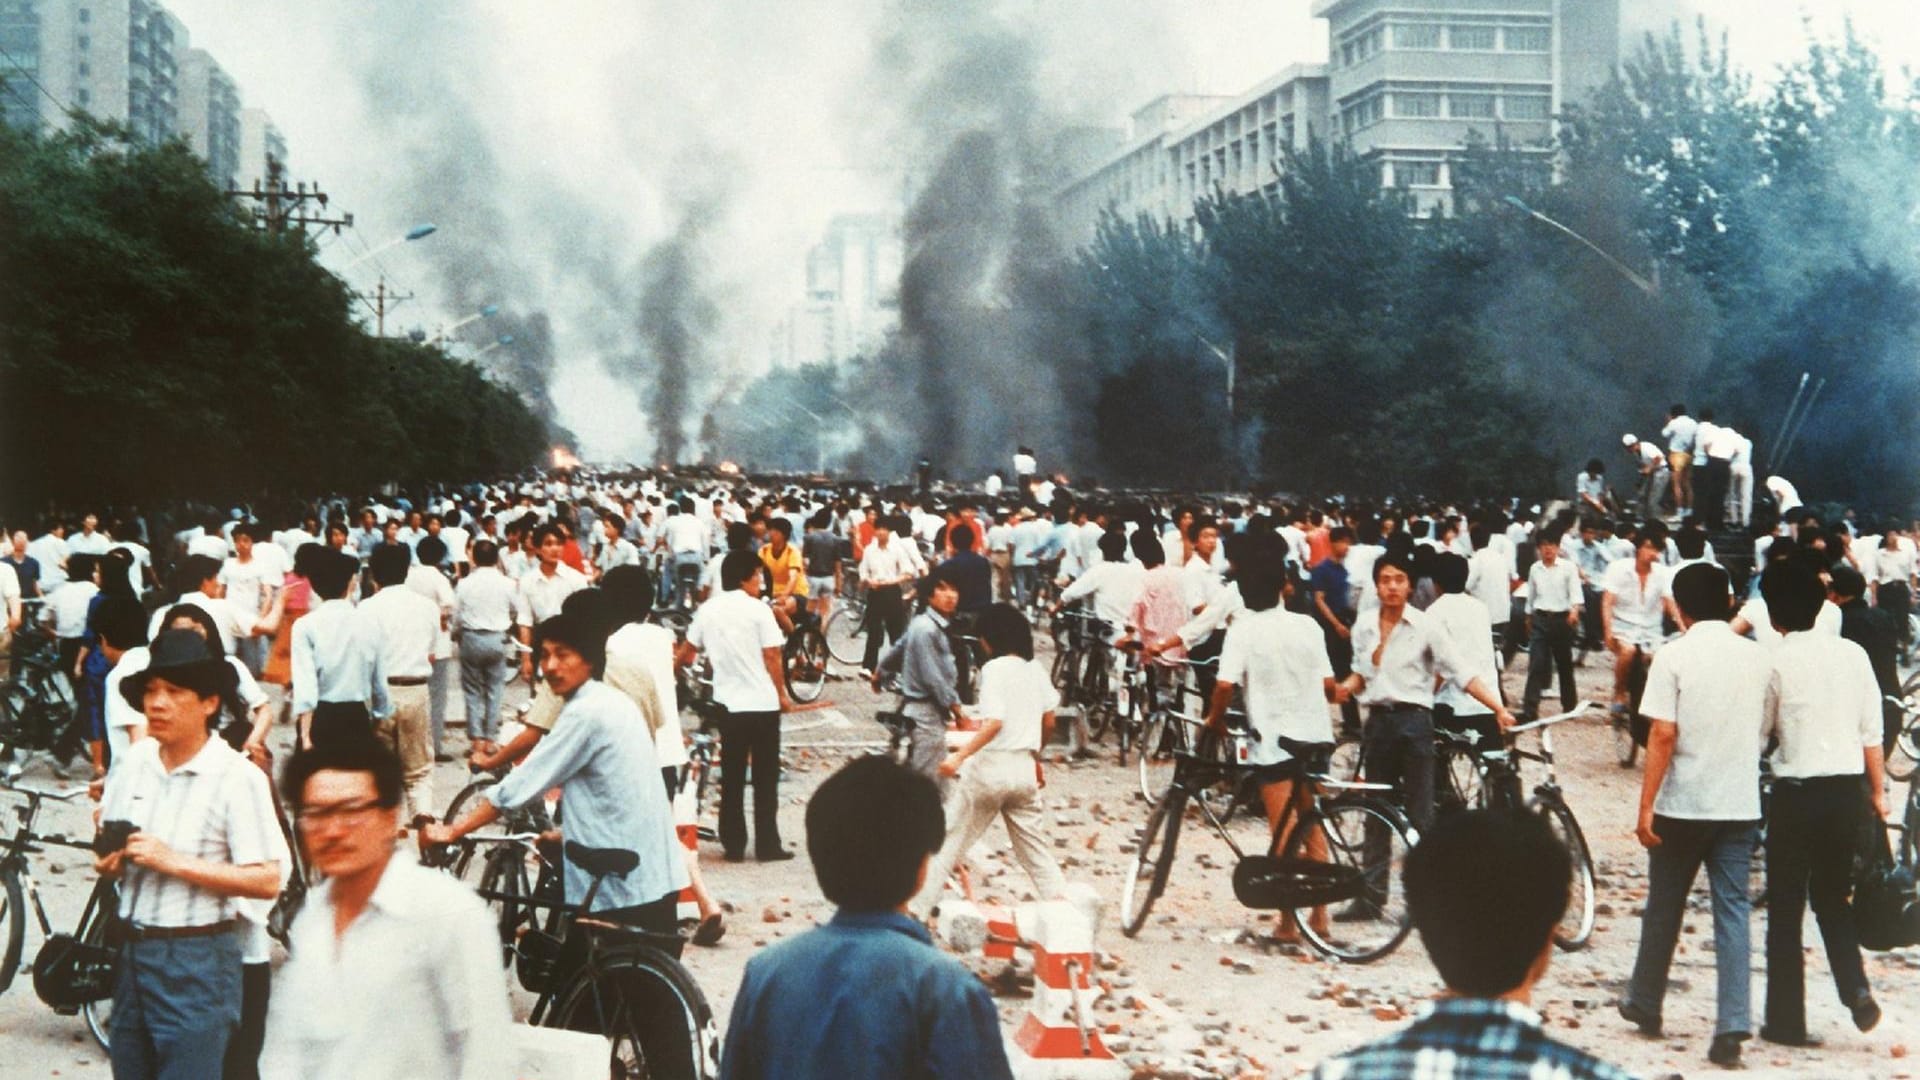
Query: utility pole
{"points": [[384, 298], [280, 206]]}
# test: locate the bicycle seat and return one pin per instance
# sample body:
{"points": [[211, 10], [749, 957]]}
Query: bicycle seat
{"points": [[602, 862]]}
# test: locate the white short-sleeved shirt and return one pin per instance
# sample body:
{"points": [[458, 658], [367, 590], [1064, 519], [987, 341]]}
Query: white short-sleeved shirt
{"points": [[1018, 693], [732, 629], [651, 646], [1279, 659], [1639, 611], [1823, 703], [1465, 622], [1755, 612], [122, 717], [1711, 683]]}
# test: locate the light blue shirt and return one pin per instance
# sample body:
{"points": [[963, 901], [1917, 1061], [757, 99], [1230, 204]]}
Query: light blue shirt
{"points": [[337, 657], [600, 756]]}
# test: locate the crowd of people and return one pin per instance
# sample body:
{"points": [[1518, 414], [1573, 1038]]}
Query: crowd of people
{"points": [[1324, 618]]}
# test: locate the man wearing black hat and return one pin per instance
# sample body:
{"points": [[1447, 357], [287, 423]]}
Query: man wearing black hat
{"points": [[203, 839]]}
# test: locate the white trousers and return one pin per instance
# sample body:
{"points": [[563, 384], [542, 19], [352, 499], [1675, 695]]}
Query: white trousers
{"points": [[994, 784]]}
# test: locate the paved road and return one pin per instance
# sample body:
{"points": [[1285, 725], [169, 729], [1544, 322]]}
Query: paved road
{"points": [[1196, 994]]}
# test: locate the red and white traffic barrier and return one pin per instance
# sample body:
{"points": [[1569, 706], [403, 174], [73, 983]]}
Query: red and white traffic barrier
{"points": [[1059, 1039]]}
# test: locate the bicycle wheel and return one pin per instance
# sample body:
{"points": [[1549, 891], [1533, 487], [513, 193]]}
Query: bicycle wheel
{"points": [[13, 720], [13, 912], [98, 1015], [1160, 736], [1096, 703], [1369, 841], [806, 665], [1576, 926], [1066, 671], [656, 1021], [847, 635], [1460, 779], [1345, 761], [1152, 863], [505, 876], [1906, 750], [464, 801]]}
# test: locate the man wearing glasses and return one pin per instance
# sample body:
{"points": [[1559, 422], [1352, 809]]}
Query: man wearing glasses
{"points": [[394, 969]]}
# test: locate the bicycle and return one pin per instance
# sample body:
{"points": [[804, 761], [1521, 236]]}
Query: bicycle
{"points": [[1497, 783], [703, 757], [1168, 729], [38, 708], [846, 624], [1367, 839], [595, 976], [87, 961], [1905, 755], [803, 659]]}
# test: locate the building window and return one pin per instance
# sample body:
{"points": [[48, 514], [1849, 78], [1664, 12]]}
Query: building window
{"points": [[1471, 106], [1416, 173], [1416, 106], [1534, 39], [1473, 38], [1416, 35], [1362, 114], [86, 16], [1528, 107], [86, 69], [84, 42], [85, 97], [1362, 46]]}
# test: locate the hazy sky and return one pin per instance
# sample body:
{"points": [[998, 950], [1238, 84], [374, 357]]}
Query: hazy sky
{"points": [[595, 118]]}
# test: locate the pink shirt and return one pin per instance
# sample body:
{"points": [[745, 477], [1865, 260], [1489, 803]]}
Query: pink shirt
{"points": [[1161, 609]]}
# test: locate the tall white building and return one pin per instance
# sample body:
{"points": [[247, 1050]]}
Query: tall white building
{"points": [[259, 141], [210, 115], [853, 278], [123, 60], [1406, 83]]}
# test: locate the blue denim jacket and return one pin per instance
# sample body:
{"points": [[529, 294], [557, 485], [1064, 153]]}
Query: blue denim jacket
{"points": [[866, 995]]}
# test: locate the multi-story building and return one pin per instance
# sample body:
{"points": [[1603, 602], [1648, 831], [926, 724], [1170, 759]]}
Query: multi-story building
{"points": [[1407, 84], [128, 61], [260, 142], [210, 115], [853, 278]]}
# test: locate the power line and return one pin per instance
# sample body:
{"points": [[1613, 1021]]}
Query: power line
{"points": [[38, 85]]}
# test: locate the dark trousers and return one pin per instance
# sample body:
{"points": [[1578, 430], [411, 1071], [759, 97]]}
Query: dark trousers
{"points": [[1813, 828], [1591, 626], [1340, 654], [1203, 677], [1549, 646], [1710, 500], [750, 738], [886, 614], [243, 1052], [1398, 750], [335, 721], [660, 916]]}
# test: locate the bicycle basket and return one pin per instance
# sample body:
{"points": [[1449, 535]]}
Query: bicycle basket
{"points": [[1269, 883], [69, 973], [535, 958]]}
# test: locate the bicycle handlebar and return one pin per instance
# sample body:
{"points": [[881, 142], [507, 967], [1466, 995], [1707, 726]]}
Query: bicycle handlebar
{"points": [[9, 783], [1582, 709]]}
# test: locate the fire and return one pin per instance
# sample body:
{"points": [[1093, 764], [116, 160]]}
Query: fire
{"points": [[564, 458]]}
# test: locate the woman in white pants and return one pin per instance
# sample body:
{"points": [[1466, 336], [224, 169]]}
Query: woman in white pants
{"points": [[998, 771]]}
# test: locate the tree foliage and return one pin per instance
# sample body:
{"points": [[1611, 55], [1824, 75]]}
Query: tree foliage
{"points": [[153, 344]]}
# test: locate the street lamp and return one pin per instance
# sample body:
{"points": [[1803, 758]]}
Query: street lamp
{"points": [[1642, 283], [503, 339], [418, 232], [486, 312]]}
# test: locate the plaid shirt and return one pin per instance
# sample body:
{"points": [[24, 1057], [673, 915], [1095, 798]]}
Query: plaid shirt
{"points": [[1469, 1039]]}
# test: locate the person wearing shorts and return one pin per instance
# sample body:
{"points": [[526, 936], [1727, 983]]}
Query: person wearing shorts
{"points": [[1280, 659]]}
